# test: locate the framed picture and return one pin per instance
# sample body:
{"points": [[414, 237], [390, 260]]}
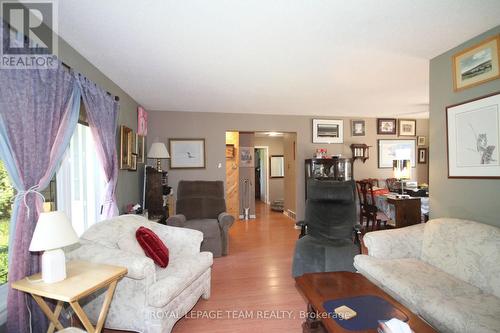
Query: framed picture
{"points": [[140, 142], [229, 151], [407, 127], [396, 149], [357, 127], [247, 157], [126, 148], [422, 155], [142, 121], [386, 126], [473, 136], [328, 131], [421, 140], [477, 64], [133, 163], [277, 166], [187, 153]]}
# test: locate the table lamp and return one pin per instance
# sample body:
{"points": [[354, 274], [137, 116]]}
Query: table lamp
{"points": [[402, 170], [53, 231], [159, 151]]}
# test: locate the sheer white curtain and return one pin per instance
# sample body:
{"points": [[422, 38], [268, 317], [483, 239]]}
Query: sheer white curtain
{"points": [[80, 181]]}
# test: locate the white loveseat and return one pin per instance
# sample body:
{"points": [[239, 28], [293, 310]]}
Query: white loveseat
{"points": [[149, 299], [447, 271]]}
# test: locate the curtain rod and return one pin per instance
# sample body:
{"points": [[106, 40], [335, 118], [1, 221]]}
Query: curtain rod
{"points": [[110, 94]]}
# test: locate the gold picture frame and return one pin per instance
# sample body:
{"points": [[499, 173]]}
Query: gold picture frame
{"points": [[126, 148], [477, 64]]}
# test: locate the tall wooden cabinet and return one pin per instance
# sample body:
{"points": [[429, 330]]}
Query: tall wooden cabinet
{"points": [[157, 190]]}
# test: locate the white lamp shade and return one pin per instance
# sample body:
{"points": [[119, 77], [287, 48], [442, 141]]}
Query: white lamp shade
{"points": [[402, 169], [158, 150], [53, 231]]}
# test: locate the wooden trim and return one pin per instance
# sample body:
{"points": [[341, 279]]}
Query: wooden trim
{"points": [[187, 139], [455, 56], [448, 143]]}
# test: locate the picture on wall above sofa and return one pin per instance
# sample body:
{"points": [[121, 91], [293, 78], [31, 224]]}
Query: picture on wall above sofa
{"points": [[477, 64], [473, 138]]}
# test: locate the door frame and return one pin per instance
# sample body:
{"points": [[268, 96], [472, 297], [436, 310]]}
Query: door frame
{"points": [[266, 165]]}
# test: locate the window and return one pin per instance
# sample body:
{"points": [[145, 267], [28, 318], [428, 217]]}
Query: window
{"points": [[81, 181], [6, 195]]}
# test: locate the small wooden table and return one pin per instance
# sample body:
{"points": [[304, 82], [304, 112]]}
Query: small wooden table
{"points": [[408, 211], [317, 288], [83, 279]]}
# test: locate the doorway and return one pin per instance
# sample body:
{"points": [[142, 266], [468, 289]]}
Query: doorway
{"points": [[262, 174], [250, 158]]}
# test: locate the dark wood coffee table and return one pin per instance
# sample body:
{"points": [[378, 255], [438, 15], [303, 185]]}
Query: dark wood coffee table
{"points": [[320, 287]]}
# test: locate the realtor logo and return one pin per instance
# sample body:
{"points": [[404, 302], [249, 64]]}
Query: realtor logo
{"points": [[29, 34]]}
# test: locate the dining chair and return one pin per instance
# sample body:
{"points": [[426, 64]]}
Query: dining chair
{"points": [[373, 181], [392, 184], [368, 209]]}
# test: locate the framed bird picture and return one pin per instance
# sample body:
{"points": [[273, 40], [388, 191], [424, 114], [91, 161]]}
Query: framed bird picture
{"points": [[187, 153]]}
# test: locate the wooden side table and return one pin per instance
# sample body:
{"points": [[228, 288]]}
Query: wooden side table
{"points": [[83, 279], [407, 211]]}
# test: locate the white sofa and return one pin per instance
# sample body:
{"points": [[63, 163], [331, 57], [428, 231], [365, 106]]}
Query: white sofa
{"points": [[447, 271], [149, 299]]}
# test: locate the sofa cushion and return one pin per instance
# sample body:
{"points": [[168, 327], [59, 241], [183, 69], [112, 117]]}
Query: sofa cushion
{"points": [[465, 249], [153, 246], [130, 244], [412, 281], [179, 274], [209, 227], [479, 313]]}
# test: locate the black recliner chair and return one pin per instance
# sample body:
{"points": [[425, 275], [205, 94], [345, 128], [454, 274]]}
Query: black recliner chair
{"points": [[330, 236]]}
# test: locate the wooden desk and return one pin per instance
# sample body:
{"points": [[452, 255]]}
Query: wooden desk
{"points": [[320, 287], [83, 279], [408, 211]]}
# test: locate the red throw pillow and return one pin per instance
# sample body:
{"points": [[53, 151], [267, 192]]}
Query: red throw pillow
{"points": [[152, 246]]}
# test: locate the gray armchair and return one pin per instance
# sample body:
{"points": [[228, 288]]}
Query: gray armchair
{"points": [[201, 206], [326, 243]]}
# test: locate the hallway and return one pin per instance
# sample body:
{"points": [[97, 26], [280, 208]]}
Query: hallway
{"points": [[253, 280]]}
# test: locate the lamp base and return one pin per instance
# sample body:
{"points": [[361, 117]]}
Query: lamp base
{"points": [[158, 165], [53, 266]]}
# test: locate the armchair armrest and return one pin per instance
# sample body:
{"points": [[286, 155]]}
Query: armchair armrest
{"points": [[180, 241], [139, 267], [225, 220], [178, 220], [396, 243]]}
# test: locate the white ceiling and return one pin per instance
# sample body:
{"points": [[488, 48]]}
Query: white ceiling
{"points": [[309, 57]]}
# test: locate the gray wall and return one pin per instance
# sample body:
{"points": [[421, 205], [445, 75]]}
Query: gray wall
{"points": [[212, 126], [476, 199], [276, 185], [129, 188]]}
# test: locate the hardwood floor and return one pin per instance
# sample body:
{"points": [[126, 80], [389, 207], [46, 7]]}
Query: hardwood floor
{"points": [[254, 280]]}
